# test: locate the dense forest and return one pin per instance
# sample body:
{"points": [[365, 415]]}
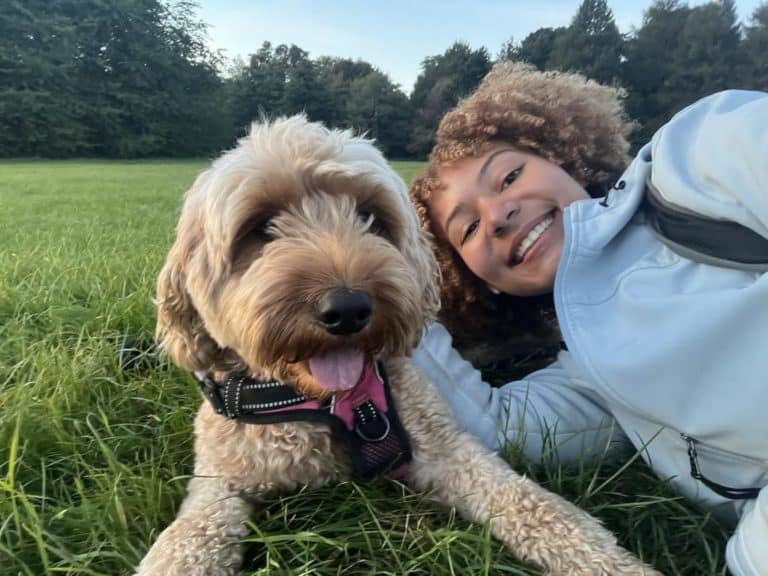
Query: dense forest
{"points": [[137, 78]]}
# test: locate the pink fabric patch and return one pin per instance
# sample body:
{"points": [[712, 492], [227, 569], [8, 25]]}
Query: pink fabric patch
{"points": [[370, 388]]}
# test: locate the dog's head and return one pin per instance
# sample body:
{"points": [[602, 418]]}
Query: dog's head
{"points": [[297, 254]]}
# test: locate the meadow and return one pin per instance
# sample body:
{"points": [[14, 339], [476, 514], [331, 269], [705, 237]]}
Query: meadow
{"points": [[94, 457]]}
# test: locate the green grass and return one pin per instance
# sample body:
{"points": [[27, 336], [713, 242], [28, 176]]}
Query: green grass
{"points": [[93, 460]]}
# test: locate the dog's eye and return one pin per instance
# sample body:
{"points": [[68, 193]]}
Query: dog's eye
{"points": [[249, 242], [254, 233], [262, 231], [374, 225], [258, 230]]}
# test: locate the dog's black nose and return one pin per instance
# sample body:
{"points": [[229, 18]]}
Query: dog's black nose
{"points": [[343, 311]]}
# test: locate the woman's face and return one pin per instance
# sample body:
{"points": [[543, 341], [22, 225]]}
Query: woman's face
{"points": [[503, 213]]}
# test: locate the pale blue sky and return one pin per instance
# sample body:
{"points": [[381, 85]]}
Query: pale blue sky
{"points": [[395, 36]]}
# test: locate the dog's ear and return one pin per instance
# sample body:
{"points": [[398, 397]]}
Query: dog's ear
{"points": [[418, 251], [180, 330]]}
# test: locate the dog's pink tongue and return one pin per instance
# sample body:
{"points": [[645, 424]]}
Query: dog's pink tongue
{"points": [[338, 370]]}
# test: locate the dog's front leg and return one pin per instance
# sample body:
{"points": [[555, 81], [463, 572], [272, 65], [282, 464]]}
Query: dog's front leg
{"points": [[203, 539], [538, 526]]}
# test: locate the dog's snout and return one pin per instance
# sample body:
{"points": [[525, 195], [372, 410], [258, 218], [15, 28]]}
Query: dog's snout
{"points": [[343, 311]]}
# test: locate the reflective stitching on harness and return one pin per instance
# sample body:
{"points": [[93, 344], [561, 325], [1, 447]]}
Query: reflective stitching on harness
{"points": [[372, 434], [278, 404], [237, 396], [226, 401], [262, 385]]}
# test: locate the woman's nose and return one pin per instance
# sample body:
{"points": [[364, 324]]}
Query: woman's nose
{"points": [[499, 214]]}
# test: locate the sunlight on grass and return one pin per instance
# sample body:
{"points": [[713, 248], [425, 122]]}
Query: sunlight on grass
{"points": [[94, 460]]}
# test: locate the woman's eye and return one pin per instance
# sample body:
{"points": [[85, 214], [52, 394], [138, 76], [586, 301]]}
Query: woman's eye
{"points": [[511, 177], [469, 231]]}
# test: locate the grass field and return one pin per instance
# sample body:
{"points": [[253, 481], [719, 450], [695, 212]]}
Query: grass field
{"points": [[94, 459]]}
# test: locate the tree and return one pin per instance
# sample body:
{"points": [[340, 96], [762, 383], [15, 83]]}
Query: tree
{"points": [[377, 106], [536, 48], [679, 55], [708, 57], [257, 88], [649, 66], [280, 80], [106, 77], [39, 108], [591, 45], [756, 49], [508, 51], [303, 90], [336, 75], [444, 79]]}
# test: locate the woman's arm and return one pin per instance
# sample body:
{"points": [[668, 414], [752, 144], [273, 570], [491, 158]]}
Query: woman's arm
{"points": [[747, 553], [548, 409], [711, 158]]}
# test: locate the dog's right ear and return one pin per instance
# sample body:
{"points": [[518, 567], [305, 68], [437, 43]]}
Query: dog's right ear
{"points": [[180, 330]]}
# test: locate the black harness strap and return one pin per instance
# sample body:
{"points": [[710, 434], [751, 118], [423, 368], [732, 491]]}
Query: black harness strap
{"points": [[377, 443]]}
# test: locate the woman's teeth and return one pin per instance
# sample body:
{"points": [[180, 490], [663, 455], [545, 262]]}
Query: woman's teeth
{"points": [[532, 236]]}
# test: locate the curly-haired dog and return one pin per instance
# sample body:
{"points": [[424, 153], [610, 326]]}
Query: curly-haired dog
{"points": [[298, 266]]}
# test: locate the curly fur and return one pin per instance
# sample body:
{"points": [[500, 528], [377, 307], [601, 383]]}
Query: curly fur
{"points": [[566, 119], [269, 229]]}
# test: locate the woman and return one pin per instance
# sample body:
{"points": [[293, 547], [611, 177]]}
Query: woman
{"points": [[658, 350]]}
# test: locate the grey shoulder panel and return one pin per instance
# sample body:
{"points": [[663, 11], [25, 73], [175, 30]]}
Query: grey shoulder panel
{"points": [[703, 239]]}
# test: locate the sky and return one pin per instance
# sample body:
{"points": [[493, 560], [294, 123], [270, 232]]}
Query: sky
{"points": [[395, 36]]}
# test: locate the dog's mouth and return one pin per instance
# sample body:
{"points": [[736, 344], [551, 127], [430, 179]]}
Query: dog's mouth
{"points": [[339, 369]]}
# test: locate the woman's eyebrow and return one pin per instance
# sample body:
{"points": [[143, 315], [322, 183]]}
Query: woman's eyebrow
{"points": [[491, 158]]}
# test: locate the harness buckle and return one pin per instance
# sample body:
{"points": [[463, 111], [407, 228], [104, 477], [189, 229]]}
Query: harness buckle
{"points": [[211, 391], [387, 428], [372, 420]]}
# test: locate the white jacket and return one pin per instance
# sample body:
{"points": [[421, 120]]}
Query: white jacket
{"points": [[657, 344]]}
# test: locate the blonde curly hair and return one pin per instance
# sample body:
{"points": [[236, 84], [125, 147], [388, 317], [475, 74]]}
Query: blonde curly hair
{"points": [[564, 118]]}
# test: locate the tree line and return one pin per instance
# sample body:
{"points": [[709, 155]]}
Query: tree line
{"points": [[136, 78]]}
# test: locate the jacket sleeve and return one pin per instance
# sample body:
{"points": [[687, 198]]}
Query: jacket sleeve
{"points": [[711, 158], [747, 554], [545, 411]]}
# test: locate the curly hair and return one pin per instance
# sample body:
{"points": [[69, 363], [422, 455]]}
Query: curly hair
{"points": [[564, 118]]}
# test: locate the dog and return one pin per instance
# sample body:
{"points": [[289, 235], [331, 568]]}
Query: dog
{"points": [[299, 271]]}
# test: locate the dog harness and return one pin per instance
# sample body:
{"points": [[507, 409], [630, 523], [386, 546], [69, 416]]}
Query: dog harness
{"points": [[364, 418]]}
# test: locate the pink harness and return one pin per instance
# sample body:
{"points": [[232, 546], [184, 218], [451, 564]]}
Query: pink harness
{"points": [[364, 417]]}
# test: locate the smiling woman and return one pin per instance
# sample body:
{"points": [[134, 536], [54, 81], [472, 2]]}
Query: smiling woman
{"points": [[510, 199], [502, 212]]}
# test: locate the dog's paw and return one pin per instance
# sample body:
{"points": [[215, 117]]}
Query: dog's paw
{"points": [[596, 553], [191, 546]]}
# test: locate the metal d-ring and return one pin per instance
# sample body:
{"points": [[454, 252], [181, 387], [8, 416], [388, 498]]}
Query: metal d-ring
{"points": [[380, 438]]}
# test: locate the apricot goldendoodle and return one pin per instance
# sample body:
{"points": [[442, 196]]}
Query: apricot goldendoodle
{"points": [[298, 282]]}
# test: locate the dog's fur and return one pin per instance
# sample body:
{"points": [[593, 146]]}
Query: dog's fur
{"points": [[294, 212]]}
